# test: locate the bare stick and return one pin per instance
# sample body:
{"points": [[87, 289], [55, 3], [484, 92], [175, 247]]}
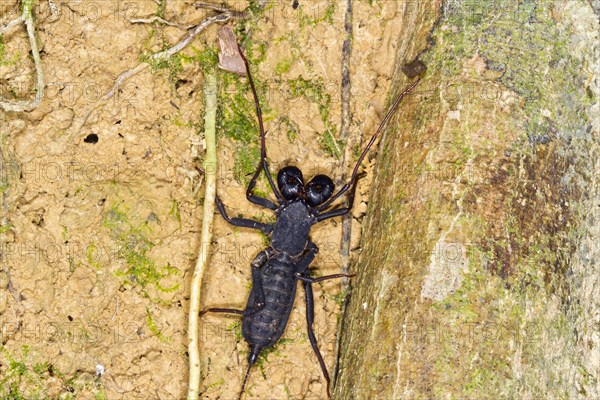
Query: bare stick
{"points": [[156, 18], [123, 77], [35, 53], [163, 55], [208, 6], [210, 166]]}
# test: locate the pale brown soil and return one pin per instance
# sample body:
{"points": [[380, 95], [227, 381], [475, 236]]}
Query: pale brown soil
{"points": [[61, 295]]}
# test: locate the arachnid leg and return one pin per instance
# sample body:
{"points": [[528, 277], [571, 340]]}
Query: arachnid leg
{"points": [[308, 257], [263, 165], [266, 203], [338, 212], [257, 285], [353, 178], [261, 201], [343, 210], [310, 317], [243, 222], [303, 264], [301, 268], [309, 279], [221, 310]]}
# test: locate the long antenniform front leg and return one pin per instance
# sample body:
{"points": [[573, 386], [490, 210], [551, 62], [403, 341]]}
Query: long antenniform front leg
{"points": [[353, 179], [263, 164]]}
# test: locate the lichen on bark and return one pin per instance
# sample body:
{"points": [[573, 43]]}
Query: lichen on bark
{"points": [[479, 272]]}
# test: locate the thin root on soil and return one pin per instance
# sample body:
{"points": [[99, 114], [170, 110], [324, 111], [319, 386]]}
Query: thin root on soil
{"points": [[26, 18], [223, 16]]}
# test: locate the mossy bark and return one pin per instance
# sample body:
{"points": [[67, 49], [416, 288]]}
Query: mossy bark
{"points": [[479, 271]]}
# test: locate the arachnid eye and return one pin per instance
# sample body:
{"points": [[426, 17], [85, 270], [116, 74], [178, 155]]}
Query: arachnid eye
{"points": [[290, 182], [318, 190]]}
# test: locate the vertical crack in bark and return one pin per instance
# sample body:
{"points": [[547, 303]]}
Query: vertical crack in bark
{"points": [[346, 119]]}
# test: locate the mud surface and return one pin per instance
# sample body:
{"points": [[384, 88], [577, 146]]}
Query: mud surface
{"points": [[100, 225]]}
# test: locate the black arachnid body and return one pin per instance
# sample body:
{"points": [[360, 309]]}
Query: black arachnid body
{"points": [[277, 269]]}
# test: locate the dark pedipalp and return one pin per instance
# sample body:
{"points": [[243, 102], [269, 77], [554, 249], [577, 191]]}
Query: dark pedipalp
{"points": [[290, 183], [319, 190]]}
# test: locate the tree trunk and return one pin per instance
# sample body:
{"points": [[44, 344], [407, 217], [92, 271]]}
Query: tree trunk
{"points": [[479, 275]]}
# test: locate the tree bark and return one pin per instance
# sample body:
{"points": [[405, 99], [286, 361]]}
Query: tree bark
{"points": [[479, 275]]}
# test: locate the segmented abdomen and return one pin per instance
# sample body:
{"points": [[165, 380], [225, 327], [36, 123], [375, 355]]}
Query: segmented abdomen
{"points": [[265, 326]]}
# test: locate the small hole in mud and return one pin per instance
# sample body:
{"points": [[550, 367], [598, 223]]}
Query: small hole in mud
{"points": [[69, 318], [118, 122], [101, 202], [38, 220], [91, 138]]}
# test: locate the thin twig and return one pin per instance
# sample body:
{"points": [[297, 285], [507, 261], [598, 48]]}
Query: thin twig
{"points": [[156, 18], [39, 87], [220, 18], [163, 55], [210, 165], [123, 77], [208, 6]]}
